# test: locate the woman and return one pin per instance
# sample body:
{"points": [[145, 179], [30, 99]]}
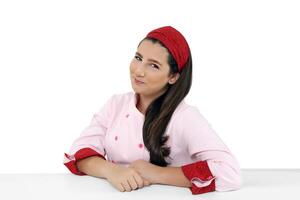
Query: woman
{"points": [[151, 135]]}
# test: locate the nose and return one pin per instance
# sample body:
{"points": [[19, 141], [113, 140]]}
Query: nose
{"points": [[140, 70]]}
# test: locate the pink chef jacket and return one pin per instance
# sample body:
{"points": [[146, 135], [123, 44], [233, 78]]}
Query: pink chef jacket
{"points": [[115, 134]]}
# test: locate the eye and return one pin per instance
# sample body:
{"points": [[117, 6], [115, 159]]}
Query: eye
{"points": [[155, 66], [136, 57]]}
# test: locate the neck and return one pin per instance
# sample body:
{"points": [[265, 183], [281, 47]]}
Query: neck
{"points": [[144, 101]]}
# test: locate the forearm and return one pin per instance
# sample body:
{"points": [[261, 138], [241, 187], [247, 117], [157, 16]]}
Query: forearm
{"points": [[94, 166], [173, 176]]}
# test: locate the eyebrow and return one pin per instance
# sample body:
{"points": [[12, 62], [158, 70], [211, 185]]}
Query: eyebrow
{"points": [[150, 59]]}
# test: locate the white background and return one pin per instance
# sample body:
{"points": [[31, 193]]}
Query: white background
{"points": [[61, 60]]}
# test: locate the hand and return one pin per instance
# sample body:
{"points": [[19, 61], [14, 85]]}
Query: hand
{"points": [[147, 170], [125, 178]]}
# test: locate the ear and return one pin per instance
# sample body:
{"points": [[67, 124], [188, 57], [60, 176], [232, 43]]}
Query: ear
{"points": [[173, 78]]}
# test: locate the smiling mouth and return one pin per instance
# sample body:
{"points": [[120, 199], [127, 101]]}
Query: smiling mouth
{"points": [[137, 81]]}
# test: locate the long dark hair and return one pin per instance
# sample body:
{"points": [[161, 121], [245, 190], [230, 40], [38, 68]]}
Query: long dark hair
{"points": [[160, 110]]}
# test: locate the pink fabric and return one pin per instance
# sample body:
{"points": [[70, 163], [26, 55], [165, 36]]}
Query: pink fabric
{"points": [[115, 132]]}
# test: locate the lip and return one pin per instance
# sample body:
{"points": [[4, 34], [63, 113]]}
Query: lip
{"points": [[138, 81]]}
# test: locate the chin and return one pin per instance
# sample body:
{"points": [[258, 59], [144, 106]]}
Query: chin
{"points": [[136, 90]]}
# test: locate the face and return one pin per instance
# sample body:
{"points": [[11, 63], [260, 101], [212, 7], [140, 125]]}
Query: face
{"points": [[150, 66]]}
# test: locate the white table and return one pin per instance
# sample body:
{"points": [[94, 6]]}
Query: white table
{"points": [[257, 184]]}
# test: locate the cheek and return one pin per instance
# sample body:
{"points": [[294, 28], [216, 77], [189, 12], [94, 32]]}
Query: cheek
{"points": [[132, 66], [157, 81]]}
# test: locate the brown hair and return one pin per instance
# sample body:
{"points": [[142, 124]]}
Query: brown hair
{"points": [[159, 112]]}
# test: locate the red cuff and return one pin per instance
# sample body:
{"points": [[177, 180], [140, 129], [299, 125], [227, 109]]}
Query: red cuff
{"points": [[80, 154], [199, 170]]}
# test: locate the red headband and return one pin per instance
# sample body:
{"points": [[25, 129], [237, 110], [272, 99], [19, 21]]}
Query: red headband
{"points": [[174, 42]]}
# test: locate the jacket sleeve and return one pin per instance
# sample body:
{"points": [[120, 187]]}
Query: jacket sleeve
{"points": [[214, 167], [91, 140]]}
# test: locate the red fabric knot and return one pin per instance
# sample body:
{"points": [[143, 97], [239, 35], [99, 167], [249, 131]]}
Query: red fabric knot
{"points": [[67, 155]]}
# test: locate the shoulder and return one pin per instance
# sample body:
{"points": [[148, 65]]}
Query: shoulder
{"points": [[118, 100], [187, 115], [112, 107], [185, 109]]}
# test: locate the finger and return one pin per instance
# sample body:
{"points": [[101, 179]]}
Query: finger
{"points": [[121, 188], [138, 180], [133, 183], [126, 186], [146, 182]]}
